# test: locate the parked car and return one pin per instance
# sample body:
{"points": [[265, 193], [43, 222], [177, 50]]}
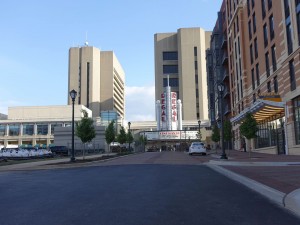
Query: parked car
{"points": [[59, 150], [197, 148]]}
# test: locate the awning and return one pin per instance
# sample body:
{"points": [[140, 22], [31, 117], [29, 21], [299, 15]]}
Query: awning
{"points": [[262, 110]]}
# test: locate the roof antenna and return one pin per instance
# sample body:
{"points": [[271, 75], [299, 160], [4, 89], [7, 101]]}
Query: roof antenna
{"points": [[86, 43]]}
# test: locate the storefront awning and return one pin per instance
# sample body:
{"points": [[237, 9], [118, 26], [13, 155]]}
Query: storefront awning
{"points": [[262, 110]]}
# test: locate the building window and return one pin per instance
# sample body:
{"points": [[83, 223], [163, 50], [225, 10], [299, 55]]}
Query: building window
{"points": [[298, 25], [249, 30], [196, 65], [269, 86], [167, 69], [254, 98], [267, 64], [171, 55], [289, 33], [265, 35], [88, 85], [269, 4], [271, 24], [257, 74], [13, 129], [296, 104], [173, 82], [274, 61], [42, 129], [252, 1], [2, 130], [286, 8], [237, 23], [196, 78], [195, 52], [251, 54], [263, 8], [197, 93], [275, 81], [28, 129], [253, 80], [254, 22], [248, 7], [292, 75], [255, 48]]}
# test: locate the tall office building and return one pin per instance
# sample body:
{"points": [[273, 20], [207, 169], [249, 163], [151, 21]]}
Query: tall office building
{"points": [[98, 78], [181, 55]]}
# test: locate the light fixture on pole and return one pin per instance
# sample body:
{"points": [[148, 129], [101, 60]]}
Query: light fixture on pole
{"points": [[221, 90], [199, 124], [129, 134], [73, 95]]}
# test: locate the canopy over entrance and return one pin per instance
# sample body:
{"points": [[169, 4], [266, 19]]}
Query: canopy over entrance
{"points": [[262, 110]]}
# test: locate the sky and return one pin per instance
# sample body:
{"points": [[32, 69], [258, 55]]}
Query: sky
{"points": [[36, 37]]}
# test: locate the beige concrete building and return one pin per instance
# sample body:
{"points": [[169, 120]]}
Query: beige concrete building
{"points": [[181, 55], [34, 125], [98, 78]]}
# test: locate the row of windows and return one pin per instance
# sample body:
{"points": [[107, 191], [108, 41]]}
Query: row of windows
{"points": [[173, 82], [28, 129]]}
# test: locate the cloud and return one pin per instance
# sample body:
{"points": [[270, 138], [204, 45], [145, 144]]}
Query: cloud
{"points": [[140, 103]]}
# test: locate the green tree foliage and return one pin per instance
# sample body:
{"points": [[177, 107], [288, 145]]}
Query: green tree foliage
{"points": [[249, 127], [215, 137], [110, 134], [122, 136], [85, 129], [227, 130]]}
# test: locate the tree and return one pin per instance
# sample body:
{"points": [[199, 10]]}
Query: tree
{"points": [[122, 137], [215, 134], [110, 134], [85, 129], [249, 127], [129, 137], [227, 132]]}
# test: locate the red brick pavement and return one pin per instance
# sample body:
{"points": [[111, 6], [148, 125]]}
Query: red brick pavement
{"points": [[284, 177]]}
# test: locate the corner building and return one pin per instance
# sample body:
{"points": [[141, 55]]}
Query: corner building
{"points": [[264, 71], [98, 78], [181, 55]]}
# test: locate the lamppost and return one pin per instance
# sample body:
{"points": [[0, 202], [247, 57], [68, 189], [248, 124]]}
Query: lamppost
{"points": [[129, 134], [199, 123], [73, 94], [221, 90]]}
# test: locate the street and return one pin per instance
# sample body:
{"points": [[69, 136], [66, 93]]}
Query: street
{"points": [[149, 188]]}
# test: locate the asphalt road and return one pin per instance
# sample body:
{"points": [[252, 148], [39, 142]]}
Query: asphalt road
{"points": [[141, 192]]}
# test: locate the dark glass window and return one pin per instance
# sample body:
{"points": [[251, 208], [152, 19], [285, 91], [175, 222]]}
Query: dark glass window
{"points": [[13, 130], [286, 8], [292, 75], [255, 48], [28, 129], [2, 130], [253, 79], [253, 3], [251, 53], [269, 4], [42, 129], [267, 64], [271, 24], [289, 33], [257, 74], [263, 8], [237, 23], [248, 7], [298, 25], [254, 22], [167, 69], [275, 84], [269, 86], [254, 98], [195, 51], [196, 65], [249, 29], [274, 60], [53, 125], [296, 104], [173, 82], [265, 29], [171, 55]]}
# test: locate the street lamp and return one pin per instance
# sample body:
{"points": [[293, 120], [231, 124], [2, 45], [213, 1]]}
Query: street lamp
{"points": [[129, 133], [221, 90], [73, 94], [199, 123]]}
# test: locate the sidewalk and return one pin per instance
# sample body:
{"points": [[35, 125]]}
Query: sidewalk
{"points": [[277, 177]]}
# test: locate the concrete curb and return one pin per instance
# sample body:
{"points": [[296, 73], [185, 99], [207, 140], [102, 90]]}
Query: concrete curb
{"points": [[237, 163], [270, 193], [292, 201]]}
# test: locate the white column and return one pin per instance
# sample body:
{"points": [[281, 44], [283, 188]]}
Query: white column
{"points": [[179, 114]]}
